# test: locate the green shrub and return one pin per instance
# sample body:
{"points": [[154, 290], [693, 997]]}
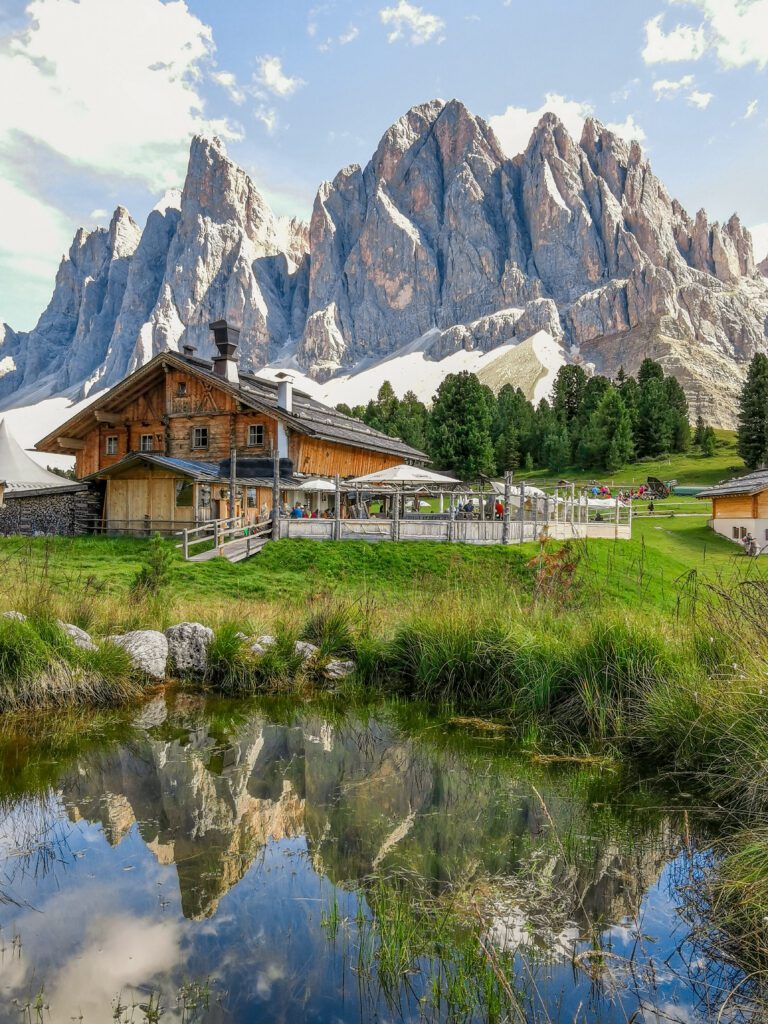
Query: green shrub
{"points": [[155, 574]]}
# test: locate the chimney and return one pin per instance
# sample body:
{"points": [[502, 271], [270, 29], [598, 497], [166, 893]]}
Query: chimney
{"points": [[284, 402], [225, 338], [285, 392], [189, 351]]}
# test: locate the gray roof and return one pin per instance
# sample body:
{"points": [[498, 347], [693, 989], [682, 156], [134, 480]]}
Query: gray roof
{"points": [[752, 483], [203, 472], [314, 418]]}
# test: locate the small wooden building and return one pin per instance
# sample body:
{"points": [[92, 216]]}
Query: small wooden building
{"points": [[740, 507], [160, 442]]}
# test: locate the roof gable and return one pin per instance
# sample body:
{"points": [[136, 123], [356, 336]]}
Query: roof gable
{"points": [[308, 416]]}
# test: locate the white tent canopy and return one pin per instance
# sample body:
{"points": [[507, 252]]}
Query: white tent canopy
{"points": [[403, 474], [18, 471]]}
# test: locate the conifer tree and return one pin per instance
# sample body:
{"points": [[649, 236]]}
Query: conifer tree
{"points": [[607, 440], [753, 414], [460, 426]]}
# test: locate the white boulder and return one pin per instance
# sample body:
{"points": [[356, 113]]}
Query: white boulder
{"points": [[338, 669], [188, 644], [18, 616], [147, 649], [79, 637], [306, 650], [261, 643]]}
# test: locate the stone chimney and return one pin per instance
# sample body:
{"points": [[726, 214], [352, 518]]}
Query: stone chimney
{"points": [[226, 340], [189, 351]]}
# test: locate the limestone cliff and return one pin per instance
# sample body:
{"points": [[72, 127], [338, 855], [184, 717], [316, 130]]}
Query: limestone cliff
{"points": [[441, 235]]}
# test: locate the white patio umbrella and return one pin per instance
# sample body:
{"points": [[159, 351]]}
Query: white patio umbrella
{"points": [[402, 474], [316, 486]]}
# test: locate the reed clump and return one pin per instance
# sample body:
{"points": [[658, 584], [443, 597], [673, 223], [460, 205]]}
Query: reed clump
{"points": [[40, 667]]}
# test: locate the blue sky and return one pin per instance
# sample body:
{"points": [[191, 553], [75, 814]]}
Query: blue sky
{"points": [[102, 96]]}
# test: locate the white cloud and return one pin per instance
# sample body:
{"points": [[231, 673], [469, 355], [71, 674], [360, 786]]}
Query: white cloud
{"points": [[98, 214], [664, 88], [229, 83], [683, 42], [267, 116], [738, 30], [273, 78], [108, 85], [344, 39], [751, 110], [513, 128], [667, 89], [628, 129], [349, 36], [515, 125], [759, 234], [407, 20], [699, 99]]}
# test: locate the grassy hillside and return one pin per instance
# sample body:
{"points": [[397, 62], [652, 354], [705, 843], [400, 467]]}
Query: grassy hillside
{"points": [[689, 468], [648, 571]]}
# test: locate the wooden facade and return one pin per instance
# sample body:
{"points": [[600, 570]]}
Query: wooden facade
{"points": [[741, 506], [177, 408], [740, 510]]}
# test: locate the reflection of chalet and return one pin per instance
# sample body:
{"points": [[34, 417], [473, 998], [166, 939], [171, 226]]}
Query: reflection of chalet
{"points": [[162, 439]]}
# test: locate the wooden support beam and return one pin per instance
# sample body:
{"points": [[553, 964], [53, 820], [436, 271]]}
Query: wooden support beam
{"points": [[70, 442], [114, 418]]}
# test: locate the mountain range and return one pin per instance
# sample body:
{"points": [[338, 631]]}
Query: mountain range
{"points": [[441, 243]]}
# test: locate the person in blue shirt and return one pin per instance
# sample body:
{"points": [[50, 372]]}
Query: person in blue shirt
{"points": [[297, 512]]}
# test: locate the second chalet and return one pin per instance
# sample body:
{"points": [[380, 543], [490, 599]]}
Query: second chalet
{"points": [[160, 443]]}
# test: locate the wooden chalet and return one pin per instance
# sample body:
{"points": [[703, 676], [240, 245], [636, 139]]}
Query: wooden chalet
{"points": [[160, 442], [740, 508]]}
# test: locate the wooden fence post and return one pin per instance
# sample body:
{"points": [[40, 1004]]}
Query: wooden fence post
{"points": [[507, 510], [276, 495], [450, 518], [396, 515], [522, 511], [337, 509]]}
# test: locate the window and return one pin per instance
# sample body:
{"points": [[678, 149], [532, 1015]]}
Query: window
{"points": [[181, 388], [146, 443], [184, 494], [251, 497], [739, 532], [200, 437], [255, 435], [111, 448]]}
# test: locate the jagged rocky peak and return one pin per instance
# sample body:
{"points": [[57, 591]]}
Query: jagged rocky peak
{"points": [[440, 238]]}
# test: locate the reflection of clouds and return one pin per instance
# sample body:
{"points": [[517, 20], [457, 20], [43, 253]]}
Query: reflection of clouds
{"points": [[266, 978], [119, 953], [514, 929]]}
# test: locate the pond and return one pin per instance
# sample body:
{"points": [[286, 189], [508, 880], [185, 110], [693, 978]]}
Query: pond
{"points": [[216, 861]]}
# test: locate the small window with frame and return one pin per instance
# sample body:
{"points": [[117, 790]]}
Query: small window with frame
{"points": [[181, 389], [147, 443], [256, 435], [111, 445], [200, 437], [251, 497]]}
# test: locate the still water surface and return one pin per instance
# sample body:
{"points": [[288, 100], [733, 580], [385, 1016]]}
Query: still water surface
{"points": [[234, 860]]}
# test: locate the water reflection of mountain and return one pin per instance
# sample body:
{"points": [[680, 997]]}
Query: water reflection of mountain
{"points": [[208, 797]]}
